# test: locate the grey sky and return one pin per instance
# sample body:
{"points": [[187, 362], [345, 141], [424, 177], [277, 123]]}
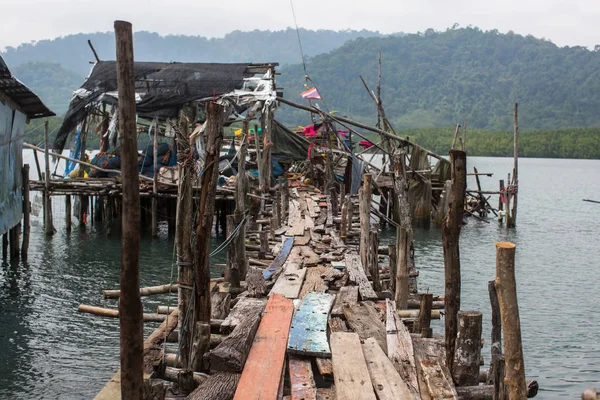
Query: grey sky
{"points": [[571, 22]]}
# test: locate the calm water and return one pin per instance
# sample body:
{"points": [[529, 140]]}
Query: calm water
{"points": [[49, 350]]}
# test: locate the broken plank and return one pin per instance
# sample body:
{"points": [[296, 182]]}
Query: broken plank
{"points": [[261, 376], [313, 281], [325, 366], [352, 380], [400, 348], [364, 319], [435, 381], [278, 262], [245, 306], [302, 240], [387, 383], [309, 223], [337, 325], [308, 333], [348, 295], [356, 274], [290, 280], [309, 257], [302, 381], [329, 221], [313, 208]]}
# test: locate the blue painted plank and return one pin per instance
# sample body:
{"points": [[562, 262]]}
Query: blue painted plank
{"points": [[280, 259], [308, 333]]}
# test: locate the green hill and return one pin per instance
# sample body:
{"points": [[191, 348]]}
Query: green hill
{"points": [[441, 78]]}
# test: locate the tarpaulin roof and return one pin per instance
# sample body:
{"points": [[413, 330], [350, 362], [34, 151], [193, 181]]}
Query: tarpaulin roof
{"points": [[163, 88], [29, 102], [288, 144]]}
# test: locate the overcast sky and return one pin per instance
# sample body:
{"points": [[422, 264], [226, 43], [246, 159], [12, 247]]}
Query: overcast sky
{"points": [[570, 22]]}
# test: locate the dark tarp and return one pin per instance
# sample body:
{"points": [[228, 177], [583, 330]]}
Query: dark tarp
{"points": [[167, 86], [288, 144]]}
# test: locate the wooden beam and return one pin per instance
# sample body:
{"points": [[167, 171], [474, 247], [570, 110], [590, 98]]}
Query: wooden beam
{"points": [[356, 274], [386, 381], [364, 319]]}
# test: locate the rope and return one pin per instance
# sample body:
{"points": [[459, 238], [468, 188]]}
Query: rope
{"points": [[299, 41]]}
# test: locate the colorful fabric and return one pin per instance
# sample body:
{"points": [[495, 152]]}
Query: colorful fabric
{"points": [[311, 94]]}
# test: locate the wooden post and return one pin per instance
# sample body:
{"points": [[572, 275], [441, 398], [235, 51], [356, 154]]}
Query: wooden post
{"points": [[5, 245], [277, 207], [499, 372], [450, 241], [206, 211], [372, 257], [286, 201], [155, 183], [465, 369], [237, 262], [455, 136], [15, 237], [515, 183], [231, 273], [344, 220], [130, 304], [26, 212], [365, 219], [424, 319], [496, 330], [68, 212], [264, 244], [393, 262], [506, 288], [404, 233], [183, 238], [508, 194], [500, 202], [48, 224]]}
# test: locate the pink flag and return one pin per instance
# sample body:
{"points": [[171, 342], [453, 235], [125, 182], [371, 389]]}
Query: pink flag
{"points": [[311, 94]]}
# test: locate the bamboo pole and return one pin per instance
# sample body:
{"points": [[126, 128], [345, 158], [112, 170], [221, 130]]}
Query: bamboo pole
{"points": [[26, 212], [450, 241], [130, 304], [112, 313], [506, 288], [145, 291], [48, 224]]}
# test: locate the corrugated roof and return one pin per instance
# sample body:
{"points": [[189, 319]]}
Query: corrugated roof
{"points": [[14, 89]]}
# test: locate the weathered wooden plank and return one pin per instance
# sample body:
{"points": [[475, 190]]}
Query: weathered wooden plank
{"points": [[356, 274], [313, 281], [348, 295], [329, 221], [278, 262], [221, 385], [308, 333], [400, 348], [313, 208], [261, 377], [435, 381], [245, 306], [336, 242], [387, 383], [302, 240], [352, 380], [325, 366], [363, 319], [337, 325], [302, 381], [309, 257], [326, 393], [309, 223], [290, 280]]}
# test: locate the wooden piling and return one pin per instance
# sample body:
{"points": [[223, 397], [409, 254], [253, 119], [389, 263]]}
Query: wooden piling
{"points": [[404, 232], [26, 212], [232, 272], [68, 212], [5, 245], [183, 238], [365, 218], [130, 304], [15, 245], [206, 212], [515, 181], [372, 257], [450, 241], [496, 347], [465, 368], [155, 184], [393, 262], [499, 372], [424, 319], [506, 288], [48, 224]]}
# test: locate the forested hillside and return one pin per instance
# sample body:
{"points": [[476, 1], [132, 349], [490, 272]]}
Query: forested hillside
{"points": [[441, 78], [73, 52]]}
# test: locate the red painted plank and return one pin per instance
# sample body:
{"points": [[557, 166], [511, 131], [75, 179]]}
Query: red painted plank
{"points": [[301, 380], [261, 376]]}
